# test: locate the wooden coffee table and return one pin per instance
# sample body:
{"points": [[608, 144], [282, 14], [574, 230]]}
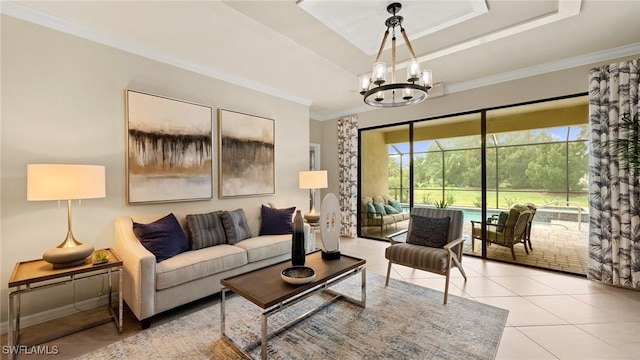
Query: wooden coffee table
{"points": [[265, 288]]}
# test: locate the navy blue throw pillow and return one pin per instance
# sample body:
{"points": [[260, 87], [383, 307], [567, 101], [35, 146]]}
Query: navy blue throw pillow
{"points": [[432, 232], [164, 237], [276, 221]]}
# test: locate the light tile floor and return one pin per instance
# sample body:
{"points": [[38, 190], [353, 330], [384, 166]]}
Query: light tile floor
{"points": [[551, 315], [560, 245]]}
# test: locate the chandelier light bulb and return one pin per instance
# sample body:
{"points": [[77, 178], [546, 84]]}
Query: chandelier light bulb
{"points": [[379, 96], [427, 79], [364, 83], [379, 73], [413, 71]]}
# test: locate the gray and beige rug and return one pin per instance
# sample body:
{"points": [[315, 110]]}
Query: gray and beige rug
{"points": [[401, 321]]}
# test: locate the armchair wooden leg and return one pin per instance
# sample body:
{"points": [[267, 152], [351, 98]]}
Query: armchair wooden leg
{"points": [[386, 283], [459, 266], [513, 253], [446, 287]]}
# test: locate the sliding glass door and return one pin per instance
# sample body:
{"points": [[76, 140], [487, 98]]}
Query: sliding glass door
{"points": [[486, 163]]}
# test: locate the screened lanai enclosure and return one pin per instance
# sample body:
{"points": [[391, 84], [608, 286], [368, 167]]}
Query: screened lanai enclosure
{"points": [[487, 163]]}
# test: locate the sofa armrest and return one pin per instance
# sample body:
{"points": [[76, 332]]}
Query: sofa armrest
{"points": [[139, 270]]}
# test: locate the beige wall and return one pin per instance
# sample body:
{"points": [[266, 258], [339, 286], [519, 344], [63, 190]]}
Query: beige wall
{"points": [[560, 83], [374, 164], [63, 102], [315, 132]]}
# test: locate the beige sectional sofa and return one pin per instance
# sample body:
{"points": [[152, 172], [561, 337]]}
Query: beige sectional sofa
{"points": [[151, 287], [373, 216]]}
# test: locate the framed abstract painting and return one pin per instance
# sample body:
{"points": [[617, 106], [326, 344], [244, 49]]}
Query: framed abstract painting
{"points": [[247, 154], [169, 149]]}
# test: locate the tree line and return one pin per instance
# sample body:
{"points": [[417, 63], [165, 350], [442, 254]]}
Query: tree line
{"points": [[541, 163]]}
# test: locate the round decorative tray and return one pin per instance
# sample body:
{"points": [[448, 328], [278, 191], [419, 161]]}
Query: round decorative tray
{"points": [[298, 275]]}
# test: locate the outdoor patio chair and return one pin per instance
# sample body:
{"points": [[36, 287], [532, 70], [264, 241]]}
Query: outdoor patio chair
{"points": [[433, 242], [512, 232]]}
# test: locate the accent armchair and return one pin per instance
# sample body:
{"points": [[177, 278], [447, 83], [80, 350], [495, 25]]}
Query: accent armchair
{"points": [[433, 242], [513, 231]]}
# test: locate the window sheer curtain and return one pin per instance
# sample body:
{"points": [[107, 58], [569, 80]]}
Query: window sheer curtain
{"points": [[614, 201], [348, 173]]}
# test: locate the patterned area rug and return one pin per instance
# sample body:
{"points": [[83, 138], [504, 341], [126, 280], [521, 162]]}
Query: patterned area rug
{"points": [[401, 321]]}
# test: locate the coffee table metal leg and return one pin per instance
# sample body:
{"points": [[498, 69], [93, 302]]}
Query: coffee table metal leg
{"points": [[222, 296], [364, 287], [263, 342]]}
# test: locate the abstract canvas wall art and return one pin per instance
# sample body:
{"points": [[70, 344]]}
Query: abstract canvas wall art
{"points": [[169, 155], [247, 154]]}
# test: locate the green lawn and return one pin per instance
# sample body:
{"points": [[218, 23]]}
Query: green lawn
{"points": [[472, 198]]}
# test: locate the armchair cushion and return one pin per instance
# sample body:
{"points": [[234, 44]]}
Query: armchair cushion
{"points": [[502, 219], [431, 232], [418, 256], [164, 237]]}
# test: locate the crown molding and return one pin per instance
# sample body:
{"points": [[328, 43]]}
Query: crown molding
{"points": [[582, 60], [31, 15]]}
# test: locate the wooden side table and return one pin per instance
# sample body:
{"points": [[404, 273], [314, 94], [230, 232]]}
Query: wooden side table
{"points": [[34, 275]]}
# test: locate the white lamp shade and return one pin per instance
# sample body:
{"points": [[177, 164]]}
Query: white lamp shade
{"points": [[65, 182], [316, 179]]}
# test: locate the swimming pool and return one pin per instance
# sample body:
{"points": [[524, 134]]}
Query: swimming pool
{"points": [[542, 214]]}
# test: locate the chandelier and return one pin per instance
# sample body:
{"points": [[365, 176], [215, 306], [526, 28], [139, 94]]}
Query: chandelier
{"points": [[374, 88]]}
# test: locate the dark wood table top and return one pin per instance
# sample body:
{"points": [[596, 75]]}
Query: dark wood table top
{"points": [[265, 288]]}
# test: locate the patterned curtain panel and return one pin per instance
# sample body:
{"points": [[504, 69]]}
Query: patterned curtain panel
{"points": [[614, 201], [348, 174]]}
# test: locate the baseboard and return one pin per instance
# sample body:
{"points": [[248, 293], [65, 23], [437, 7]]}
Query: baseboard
{"points": [[44, 316]]}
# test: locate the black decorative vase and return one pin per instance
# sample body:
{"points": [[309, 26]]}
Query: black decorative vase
{"points": [[297, 241]]}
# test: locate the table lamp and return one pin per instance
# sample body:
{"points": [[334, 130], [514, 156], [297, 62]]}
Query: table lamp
{"points": [[312, 180], [66, 182]]}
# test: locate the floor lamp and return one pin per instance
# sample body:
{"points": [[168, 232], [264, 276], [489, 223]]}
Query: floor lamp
{"points": [[312, 180], [66, 182]]}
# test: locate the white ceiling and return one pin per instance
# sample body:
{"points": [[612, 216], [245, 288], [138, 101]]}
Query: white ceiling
{"points": [[279, 48]]}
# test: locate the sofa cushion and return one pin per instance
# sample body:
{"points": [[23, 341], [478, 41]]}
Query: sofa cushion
{"points": [[396, 205], [391, 210], [371, 210], [276, 221], [164, 237], [206, 230], [264, 247], [379, 199], [235, 226], [432, 232], [193, 265], [379, 208]]}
